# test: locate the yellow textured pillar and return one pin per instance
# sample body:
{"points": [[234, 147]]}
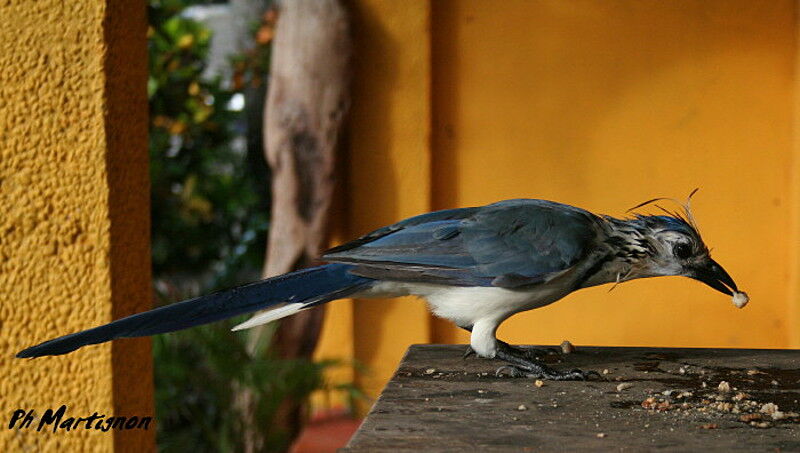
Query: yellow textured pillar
{"points": [[74, 234]]}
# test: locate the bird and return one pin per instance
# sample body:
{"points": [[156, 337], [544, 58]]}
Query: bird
{"points": [[475, 266]]}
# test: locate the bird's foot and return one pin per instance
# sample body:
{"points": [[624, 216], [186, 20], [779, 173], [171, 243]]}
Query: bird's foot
{"points": [[543, 354], [529, 353], [522, 365], [544, 372]]}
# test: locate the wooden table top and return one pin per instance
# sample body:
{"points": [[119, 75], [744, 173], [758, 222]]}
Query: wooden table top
{"points": [[649, 399]]}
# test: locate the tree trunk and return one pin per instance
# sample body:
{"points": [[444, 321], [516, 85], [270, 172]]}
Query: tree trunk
{"points": [[306, 104]]}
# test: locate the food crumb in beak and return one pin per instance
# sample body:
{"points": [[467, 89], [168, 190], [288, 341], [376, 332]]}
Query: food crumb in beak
{"points": [[740, 299]]}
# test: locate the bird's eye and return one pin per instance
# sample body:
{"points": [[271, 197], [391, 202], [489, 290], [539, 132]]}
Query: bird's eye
{"points": [[682, 251]]}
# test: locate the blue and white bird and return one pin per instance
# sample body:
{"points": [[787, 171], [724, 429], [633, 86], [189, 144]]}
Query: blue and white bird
{"points": [[475, 266]]}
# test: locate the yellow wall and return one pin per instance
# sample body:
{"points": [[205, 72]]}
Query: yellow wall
{"points": [[74, 247], [606, 104], [388, 170], [601, 104]]}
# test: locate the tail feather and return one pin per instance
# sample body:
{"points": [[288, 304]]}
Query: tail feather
{"points": [[309, 287], [271, 315]]}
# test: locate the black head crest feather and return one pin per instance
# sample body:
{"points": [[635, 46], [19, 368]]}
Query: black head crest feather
{"points": [[686, 215]]}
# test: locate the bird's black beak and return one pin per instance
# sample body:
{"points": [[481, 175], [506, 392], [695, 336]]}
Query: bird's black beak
{"points": [[713, 275]]}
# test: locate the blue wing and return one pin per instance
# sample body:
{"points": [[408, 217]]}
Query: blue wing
{"points": [[508, 244]]}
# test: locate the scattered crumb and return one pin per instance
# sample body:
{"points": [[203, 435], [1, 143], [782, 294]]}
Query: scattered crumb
{"points": [[538, 383], [747, 418], [605, 371], [722, 407], [567, 347], [769, 408], [656, 404], [430, 371], [681, 370], [723, 402], [740, 396], [753, 372], [623, 386], [601, 435], [522, 407]]}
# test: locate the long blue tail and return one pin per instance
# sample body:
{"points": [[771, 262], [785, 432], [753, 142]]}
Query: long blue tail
{"points": [[310, 286]]}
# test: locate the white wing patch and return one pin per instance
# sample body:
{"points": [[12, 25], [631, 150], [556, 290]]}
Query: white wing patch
{"points": [[271, 315]]}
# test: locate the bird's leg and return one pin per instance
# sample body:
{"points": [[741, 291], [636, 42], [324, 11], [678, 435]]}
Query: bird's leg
{"points": [[531, 353], [469, 350], [522, 365]]}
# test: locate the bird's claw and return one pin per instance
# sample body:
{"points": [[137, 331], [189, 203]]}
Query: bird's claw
{"points": [[511, 370]]}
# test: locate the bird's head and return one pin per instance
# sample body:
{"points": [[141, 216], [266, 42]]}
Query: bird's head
{"points": [[674, 247], [678, 249]]}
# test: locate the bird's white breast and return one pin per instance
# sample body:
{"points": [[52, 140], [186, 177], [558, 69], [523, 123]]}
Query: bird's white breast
{"points": [[465, 306]]}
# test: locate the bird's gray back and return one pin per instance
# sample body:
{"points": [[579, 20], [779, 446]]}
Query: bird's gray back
{"points": [[512, 243]]}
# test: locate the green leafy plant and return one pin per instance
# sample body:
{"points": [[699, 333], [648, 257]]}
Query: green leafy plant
{"points": [[209, 210], [199, 374], [209, 218]]}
